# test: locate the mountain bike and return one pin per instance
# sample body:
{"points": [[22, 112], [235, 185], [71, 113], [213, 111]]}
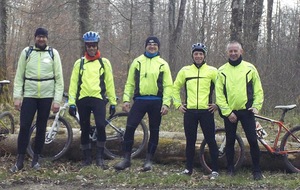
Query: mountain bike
{"points": [[59, 135], [288, 148], [7, 124]]}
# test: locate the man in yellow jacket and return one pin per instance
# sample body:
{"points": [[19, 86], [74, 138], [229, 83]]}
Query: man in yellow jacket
{"points": [[149, 83], [239, 95], [38, 87], [199, 81], [90, 84]]}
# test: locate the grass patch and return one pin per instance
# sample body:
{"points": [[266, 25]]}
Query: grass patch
{"points": [[163, 176]]}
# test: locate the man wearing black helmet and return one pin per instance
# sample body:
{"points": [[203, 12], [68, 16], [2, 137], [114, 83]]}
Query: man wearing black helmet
{"points": [[198, 80], [149, 83], [91, 82], [38, 88]]}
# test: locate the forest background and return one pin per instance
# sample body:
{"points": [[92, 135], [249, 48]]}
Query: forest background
{"points": [[268, 29]]}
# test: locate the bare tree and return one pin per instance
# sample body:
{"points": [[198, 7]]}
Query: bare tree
{"points": [[236, 20], [124, 25], [175, 30], [151, 16], [252, 19], [84, 18], [3, 27], [298, 45], [269, 27], [3, 32]]}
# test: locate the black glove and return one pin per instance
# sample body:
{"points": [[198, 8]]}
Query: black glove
{"points": [[112, 110], [72, 110]]}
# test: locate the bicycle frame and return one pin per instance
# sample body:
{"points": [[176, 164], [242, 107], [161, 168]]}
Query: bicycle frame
{"points": [[281, 127], [50, 135], [61, 112]]}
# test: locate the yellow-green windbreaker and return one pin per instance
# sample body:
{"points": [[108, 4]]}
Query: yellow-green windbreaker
{"points": [[198, 84], [149, 77], [95, 81], [238, 88], [39, 76]]}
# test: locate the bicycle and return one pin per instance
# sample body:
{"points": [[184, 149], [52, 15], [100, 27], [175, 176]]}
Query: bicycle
{"points": [[288, 148], [220, 136], [7, 124], [59, 128]]}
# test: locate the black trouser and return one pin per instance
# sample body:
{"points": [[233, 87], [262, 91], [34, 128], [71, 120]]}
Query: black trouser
{"points": [[248, 123], [85, 107], [207, 123], [29, 107], [136, 114]]}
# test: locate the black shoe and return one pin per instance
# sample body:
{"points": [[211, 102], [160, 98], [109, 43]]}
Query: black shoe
{"points": [[19, 164], [257, 176], [230, 173], [147, 164], [87, 157], [36, 166], [15, 168], [125, 163], [100, 163], [187, 172]]}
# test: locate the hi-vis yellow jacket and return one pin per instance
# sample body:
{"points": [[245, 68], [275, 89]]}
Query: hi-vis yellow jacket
{"points": [[39, 76], [149, 77], [238, 88], [198, 84], [95, 82]]}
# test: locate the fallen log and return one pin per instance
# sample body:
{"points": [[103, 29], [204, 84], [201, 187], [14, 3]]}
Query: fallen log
{"points": [[171, 149]]}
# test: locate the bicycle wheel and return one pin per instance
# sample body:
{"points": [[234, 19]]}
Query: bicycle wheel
{"points": [[239, 148], [57, 144], [290, 143], [115, 130], [7, 124]]}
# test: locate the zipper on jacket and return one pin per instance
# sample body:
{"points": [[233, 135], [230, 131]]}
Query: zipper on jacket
{"points": [[198, 78]]}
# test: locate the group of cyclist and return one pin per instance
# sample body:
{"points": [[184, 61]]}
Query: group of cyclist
{"points": [[38, 87]]}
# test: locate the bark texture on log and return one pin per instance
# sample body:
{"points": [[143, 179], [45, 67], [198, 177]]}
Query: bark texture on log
{"points": [[171, 149]]}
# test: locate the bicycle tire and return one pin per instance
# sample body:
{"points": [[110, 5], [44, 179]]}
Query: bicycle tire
{"points": [[205, 160], [114, 140], [289, 143], [7, 123], [53, 148]]}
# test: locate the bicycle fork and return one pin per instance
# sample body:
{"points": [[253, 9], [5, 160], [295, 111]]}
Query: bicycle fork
{"points": [[50, 135]]}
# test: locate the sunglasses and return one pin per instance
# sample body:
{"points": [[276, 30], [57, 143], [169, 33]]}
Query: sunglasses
{"points": [[89, 45]]}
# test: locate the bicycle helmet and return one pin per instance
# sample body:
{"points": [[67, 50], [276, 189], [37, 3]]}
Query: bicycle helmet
{"points": [[199, 47], [91, 37]]}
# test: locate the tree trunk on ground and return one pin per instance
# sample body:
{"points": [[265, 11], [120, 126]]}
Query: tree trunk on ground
{"points": [[171, 149]]}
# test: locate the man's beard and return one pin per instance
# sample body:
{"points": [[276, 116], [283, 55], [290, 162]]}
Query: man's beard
{"points": [[43, 47]]}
